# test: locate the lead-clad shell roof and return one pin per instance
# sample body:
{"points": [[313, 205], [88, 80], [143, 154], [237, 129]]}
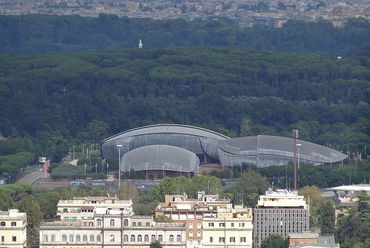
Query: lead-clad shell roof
{"points": [[160, 157]]}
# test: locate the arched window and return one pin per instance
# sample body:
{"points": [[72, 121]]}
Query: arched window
{"points": [[125, 222], [64, 238], [111, 238], [125, 238], [84, 238], [78, 238], [153, 238], [45, 238], [98, 222], [132, 238], [171, 238], [178, 238], [70, 238], [92, 238], [98, 238], [146, 238], [160, 238], [112, 222], [139, 238], [53, 238]]}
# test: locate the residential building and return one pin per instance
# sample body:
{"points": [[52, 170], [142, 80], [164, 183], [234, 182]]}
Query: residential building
{"points": [[279, 212], [13, 229], [311, 240], [111, 228], [82, 208], [207, 218]]}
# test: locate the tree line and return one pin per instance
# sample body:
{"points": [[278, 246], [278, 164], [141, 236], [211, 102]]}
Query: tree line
{"points": [[50, 102], [43, 34]]}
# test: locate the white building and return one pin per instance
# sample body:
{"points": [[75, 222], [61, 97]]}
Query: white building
{"points": [[13, 229], [279, 212]]}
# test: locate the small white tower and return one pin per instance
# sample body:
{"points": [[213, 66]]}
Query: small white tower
{"points": [[140, 45]]}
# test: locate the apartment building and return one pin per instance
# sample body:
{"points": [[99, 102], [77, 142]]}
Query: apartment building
{"points": [[13, 231], [82, 208], [110, 226], [279, 212], [210, 221]]}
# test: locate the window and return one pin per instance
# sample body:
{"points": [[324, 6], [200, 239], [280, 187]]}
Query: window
{"points": [[111, 238], [221, 239], [45, 238], [243, 239], [112, 222], [13, 223], [171, 238], [139, 224], [125, 222], [152, 238], [190, 225], [160, 238], [132, 238], [2, 238], [146, 238], [64, 238], [125, 238], [198, 234], [221, 224], [92, 238], [139, 238], [84, 238], [190, 234], [65, 210], [98, 238], [2, 223], [199, 225], [53, 238], [232, 239], [98, 222], [232, 224], [70, 238], [178, 238], [210, 239], [147, 224], [211, 224], [78, 238], [14, 238], [133, 223]]}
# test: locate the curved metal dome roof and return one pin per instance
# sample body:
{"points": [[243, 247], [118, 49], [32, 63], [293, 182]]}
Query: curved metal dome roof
{"points": [[160, 157], [266, 145], [169, 128]]}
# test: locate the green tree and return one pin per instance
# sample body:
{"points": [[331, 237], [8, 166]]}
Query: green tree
{"points": [[155, 244], [314, 198], [275, 241], [326, 217]]}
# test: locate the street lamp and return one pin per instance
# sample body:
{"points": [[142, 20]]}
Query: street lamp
{"points": [[119, 165], [299, 149]]}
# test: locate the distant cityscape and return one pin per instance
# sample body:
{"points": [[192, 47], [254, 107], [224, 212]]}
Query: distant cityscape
{"points": [[245, 13]]}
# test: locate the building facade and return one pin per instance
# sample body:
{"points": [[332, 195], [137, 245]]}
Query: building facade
{"points": [[279, 212], [83, 208], [111, 229], [209, 220], [13, 229]]}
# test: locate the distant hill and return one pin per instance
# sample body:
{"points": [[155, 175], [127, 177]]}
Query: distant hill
{"points": [[44, 34], [50, 101]]}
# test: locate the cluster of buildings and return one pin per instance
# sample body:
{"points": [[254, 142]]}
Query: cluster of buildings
{"points": [[207, 221], [247, 13]]}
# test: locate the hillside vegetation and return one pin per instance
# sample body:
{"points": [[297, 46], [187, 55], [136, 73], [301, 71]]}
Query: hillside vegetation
{"points": [[50, 101], [43, 34]]}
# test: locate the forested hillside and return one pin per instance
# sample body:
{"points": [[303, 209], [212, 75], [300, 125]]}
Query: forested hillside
{"points": [[42, 34], [50, 101]]}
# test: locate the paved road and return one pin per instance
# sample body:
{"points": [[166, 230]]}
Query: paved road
{"points": [[31, 178]]}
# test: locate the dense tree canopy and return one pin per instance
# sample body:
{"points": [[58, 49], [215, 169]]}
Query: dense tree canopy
{"points": [[41, 34], [51, 101]]}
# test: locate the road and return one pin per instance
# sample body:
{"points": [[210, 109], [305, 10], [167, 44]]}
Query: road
{"points": [[32, 177]]}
